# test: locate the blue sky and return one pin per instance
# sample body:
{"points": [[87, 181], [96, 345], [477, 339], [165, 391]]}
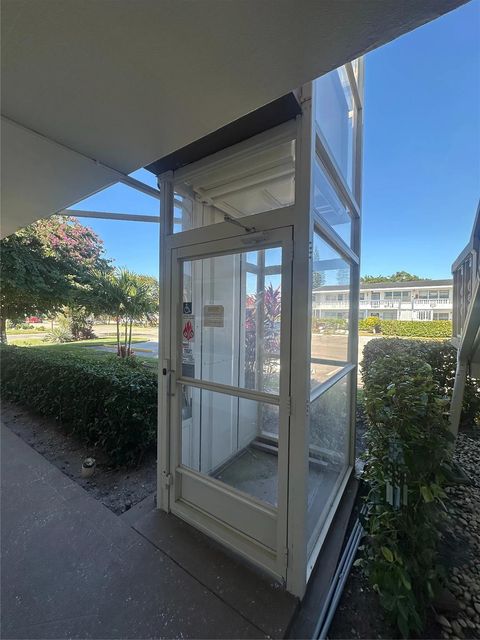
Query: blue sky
{"points": [[422, 147], [421, 157]]}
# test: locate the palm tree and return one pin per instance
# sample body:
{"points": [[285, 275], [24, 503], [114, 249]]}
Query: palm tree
{"points": [[128, 297]]}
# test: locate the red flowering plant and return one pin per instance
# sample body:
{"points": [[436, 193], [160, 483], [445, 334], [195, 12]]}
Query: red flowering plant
{"points": [[262, 339]]}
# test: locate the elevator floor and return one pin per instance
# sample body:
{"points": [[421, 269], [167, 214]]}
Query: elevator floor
{"points": [[255, 472]]}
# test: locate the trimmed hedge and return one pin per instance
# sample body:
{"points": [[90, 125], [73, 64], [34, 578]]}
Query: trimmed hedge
{"points": [[329, 324], [371, 324], [417, 329], [442, 358], [406, 459], [407, 328], [107, 402]]}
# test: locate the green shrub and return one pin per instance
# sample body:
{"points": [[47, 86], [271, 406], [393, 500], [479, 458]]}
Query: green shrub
{"points": [[59, 335], [106, 402], [417, 329], [441, 356], [407, 449], [371, 324], [329, 325]]}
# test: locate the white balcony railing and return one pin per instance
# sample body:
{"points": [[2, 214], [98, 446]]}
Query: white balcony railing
{"points": [[385, 304], [440, 302]]}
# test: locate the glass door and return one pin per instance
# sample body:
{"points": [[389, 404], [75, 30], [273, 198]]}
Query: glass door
{"points": [[231, 388]]}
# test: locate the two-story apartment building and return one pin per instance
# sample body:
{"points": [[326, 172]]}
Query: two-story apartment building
{"points": [[417, 300]]}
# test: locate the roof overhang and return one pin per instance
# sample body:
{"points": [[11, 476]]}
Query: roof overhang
{"points": [[93, 88]]}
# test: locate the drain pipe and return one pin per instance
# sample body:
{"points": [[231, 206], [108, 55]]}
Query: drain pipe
{"points": [[338, 583]]}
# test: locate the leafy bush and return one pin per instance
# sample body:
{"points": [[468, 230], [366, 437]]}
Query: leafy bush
{"points": [[107, 403], [78, 322], [59, 335], [407, 328], [371, 324], [441, 356], [329, 325], [20, 326], [407, 448], [415, 328]]}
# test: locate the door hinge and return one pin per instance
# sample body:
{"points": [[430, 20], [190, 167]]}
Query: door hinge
{"points": [[289, 406], [167, 480], [285, 554]]}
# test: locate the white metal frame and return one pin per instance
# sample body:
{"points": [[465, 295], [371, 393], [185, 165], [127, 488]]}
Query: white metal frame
{"points": [[351, 198], [298, 553], [260, 522]]}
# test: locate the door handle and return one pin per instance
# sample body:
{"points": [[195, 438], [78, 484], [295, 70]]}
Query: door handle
{"points": [[167, 372]]}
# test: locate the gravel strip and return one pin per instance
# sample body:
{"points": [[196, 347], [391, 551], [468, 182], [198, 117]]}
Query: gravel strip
{"points": [[463, 533]]}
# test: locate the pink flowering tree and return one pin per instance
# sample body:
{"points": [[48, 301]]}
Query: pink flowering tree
{"points": [[45, 265]]}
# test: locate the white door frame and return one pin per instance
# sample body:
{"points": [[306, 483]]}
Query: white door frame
{"points": [[249, 526]]}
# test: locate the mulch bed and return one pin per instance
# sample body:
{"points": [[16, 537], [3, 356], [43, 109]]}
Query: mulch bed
{"points": [[119, 489], [457, 613]]}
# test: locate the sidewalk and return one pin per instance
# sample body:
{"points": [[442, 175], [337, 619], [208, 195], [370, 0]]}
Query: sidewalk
{"points": [[73, 569]]}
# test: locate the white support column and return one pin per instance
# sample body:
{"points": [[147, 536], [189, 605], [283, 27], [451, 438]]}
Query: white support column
{"points": [[457, 395], [356, 247], [165, 183], [300, 352]]}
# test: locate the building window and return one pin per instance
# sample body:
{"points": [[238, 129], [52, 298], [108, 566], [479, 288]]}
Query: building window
{"points": [[362, 296], [389, 315], [424, 315], [444, 295], [375, 296], [441, 315]]}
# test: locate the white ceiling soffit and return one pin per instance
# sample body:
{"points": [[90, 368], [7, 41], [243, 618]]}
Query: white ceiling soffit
{"points": [[126, 82]]}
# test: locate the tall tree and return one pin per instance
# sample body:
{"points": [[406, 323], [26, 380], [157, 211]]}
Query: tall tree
{"points": [[318, 276], [398, 276], [44, 264], [125, 295]]}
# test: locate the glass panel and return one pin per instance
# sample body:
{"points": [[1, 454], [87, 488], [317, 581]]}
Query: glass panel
{"points": [[330, 311], [224, 437], [328, 206], [121, 240], [334, 116], [232, 319], [328, 448], [263, 181]]}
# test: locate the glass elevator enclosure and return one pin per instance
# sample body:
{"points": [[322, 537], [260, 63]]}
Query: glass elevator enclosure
{"points": [[258, 381]]}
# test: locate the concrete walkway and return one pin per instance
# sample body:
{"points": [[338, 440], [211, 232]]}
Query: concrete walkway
{"points": [[70, 568]]}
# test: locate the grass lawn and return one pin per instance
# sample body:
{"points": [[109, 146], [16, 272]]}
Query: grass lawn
{"points": [[83, 348]]}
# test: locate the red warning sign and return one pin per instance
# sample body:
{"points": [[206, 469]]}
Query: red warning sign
{"points": [[188, 330]]}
